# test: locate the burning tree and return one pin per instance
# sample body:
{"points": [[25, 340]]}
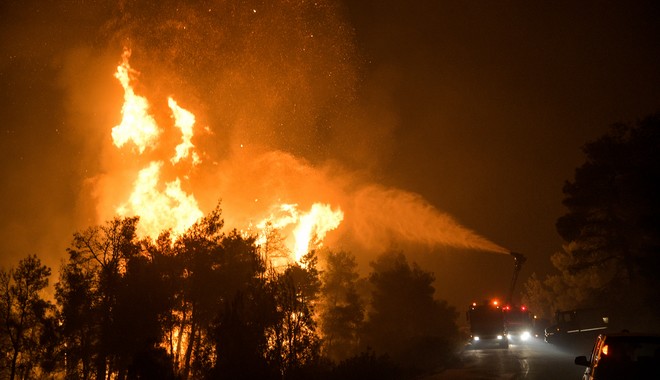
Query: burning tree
{"points": [[206, 305]]}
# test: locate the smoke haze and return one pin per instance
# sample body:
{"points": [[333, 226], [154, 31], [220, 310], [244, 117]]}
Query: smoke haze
{"points": [[274, 89], [418, 119]]}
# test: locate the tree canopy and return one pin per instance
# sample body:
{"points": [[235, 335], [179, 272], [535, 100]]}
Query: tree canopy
{"points": [[612, 226], [26, 320], [342, 310], [403, 301], [210, 304]]}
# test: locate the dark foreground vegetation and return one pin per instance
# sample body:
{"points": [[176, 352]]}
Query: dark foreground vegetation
{"points": [[611, 259], [210, 305]]}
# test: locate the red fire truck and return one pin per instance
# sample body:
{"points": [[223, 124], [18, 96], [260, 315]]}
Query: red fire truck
{"points": [[493, 323], [487, 327], [519, 323]]}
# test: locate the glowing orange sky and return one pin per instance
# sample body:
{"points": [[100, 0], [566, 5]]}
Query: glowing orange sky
{"points": [[475, 112]]}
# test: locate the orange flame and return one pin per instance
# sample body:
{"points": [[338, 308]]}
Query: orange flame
{"points": [[159, 210], [184, 120], [163, 206], [309, 228], [313, 226], [379, 215], [136, 124]]}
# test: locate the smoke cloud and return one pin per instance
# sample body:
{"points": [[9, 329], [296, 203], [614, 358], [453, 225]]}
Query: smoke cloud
{"points": [[284, 115]]}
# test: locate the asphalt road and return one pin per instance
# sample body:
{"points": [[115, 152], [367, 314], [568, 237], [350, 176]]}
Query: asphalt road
{"points": [[533, 360]]}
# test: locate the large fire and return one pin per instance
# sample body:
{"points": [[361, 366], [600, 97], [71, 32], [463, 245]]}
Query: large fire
{"points": [[167, 206]]}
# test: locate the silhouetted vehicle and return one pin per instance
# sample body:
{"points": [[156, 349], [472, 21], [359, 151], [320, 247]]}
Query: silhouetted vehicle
{"points": [[487, 326], [571, 325], [488, 323], [623, 356]]}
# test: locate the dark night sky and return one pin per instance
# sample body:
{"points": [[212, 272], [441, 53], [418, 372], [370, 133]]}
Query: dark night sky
{"points": [[480, 107]]}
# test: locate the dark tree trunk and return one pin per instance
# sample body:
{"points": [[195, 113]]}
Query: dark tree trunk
{"points": [[14, 359]]}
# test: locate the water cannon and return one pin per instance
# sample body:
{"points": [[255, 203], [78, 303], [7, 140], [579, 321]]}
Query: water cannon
{"points": [[518, 261]]}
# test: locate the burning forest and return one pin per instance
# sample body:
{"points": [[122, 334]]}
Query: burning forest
{"points": [[375, 213], [231, 218], [227, 182], [268, 189]]}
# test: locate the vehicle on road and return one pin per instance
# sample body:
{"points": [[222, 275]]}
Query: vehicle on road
{"points": [[518, 322], [490, 321], [571, 325], [487, 327], [623, 356]]}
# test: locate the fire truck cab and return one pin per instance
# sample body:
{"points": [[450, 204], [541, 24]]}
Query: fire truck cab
{"points": [[487, 327], [518, 322]]}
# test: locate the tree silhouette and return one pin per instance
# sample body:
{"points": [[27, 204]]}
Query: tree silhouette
{"points": [[294, 342], [199, 251], [76, 301], [612, 227], [88, 291], [246, 311], [342, 311], [402, 301], [167, 267], [24, 318], [211, 305], [141, 302]]}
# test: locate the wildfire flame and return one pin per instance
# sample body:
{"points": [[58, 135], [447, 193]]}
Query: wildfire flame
{"points": [[164, 201], [166, 206], [184, 120], [309, 229], [314, 225], [171, 209], [137, 125]]}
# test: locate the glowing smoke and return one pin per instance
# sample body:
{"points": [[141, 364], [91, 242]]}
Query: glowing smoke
{"points": [[277, 98]]}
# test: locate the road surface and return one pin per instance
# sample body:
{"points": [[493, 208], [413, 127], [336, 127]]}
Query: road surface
{"points": [[533, 360]]}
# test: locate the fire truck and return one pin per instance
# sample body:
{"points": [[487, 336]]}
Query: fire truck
{"points": [[487, 325], [519, 323], [494, 324]]}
